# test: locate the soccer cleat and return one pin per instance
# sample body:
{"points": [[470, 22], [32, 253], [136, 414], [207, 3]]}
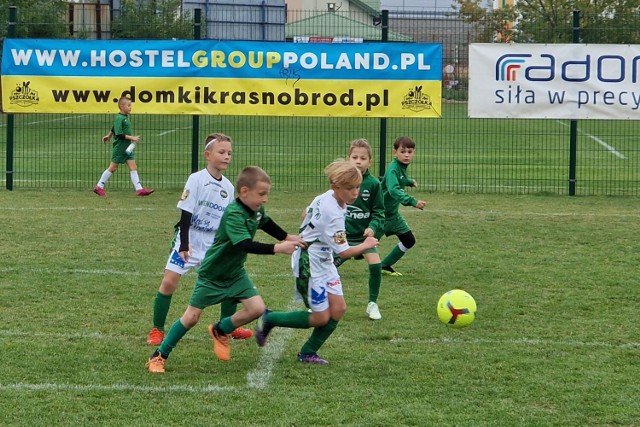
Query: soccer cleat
{"points": [[373, 311], [241, 334], [263, 328], [144, 192], [155, 364], [220, 344], [99, 191], [155, 337], [312, 358], [389, 271]]}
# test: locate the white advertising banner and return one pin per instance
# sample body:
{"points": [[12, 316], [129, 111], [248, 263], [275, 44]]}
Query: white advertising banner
{"points": [[562, 81]]}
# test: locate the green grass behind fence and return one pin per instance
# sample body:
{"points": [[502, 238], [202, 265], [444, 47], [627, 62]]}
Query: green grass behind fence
{"points": [[454, 154]]}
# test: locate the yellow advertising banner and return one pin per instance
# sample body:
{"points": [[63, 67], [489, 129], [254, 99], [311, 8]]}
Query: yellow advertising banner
{"points": [[223, 78]]}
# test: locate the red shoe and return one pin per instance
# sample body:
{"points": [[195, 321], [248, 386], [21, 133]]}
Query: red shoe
{"points": [[155, 337], [100, 191], [220, 344], [241, 334], [144, 192]]}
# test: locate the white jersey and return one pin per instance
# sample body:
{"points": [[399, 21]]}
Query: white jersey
{"points": [[206, 198], [323, 228]]}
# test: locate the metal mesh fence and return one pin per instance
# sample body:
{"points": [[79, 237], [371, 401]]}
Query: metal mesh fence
{"points": [[454, 153]]}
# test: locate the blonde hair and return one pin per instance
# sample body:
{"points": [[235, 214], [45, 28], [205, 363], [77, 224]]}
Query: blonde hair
{"points": [[342, 173], [250, 176], [212, 138], [361, 143], [122, 101]]}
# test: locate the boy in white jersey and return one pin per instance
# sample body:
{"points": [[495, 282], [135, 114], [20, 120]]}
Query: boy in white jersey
{"points": [[316, 276], [204, 199]]}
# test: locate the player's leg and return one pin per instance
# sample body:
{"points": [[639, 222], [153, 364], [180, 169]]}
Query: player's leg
{"points": [[337, 307], [135, 179], [400, 228], [180, 327], [227, 309], [102, 182], [161, 305], [243, 290], [375, 280]]}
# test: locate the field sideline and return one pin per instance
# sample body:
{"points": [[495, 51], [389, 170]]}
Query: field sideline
{"points": [[554, 344]]}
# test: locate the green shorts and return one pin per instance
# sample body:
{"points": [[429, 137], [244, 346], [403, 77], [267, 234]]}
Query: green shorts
{"points": [[396, 226], [206, 293], [119, 154], [356, 242]]}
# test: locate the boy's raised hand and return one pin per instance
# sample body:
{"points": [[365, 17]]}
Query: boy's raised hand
{"points": [[286, 247], [421, 204]]}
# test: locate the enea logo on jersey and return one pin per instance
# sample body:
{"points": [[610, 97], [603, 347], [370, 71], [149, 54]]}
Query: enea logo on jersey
{"points": [[546, 67]]}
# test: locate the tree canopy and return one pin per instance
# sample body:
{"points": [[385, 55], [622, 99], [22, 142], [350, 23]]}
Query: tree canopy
{"points": [[551, 21]]}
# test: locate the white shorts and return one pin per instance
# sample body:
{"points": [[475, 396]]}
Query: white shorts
{"points": [[318, 289], [177, 265]]}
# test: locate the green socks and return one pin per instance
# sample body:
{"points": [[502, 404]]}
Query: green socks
{"points": [[318, 337], [375, 279], [289, 319], [392, 257], [160, 310], [175, 334]]}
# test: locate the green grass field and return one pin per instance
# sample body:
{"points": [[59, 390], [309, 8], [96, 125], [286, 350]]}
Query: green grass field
{"points": [[454, 154], [555, 342]]}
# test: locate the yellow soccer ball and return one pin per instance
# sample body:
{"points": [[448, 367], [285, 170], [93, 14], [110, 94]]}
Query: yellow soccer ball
{"points": [[457, 308]]}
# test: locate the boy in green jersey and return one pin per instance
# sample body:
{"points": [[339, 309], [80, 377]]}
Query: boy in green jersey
{"points": [[393, 183], [222, 276], [365, 218], [121, 153]]}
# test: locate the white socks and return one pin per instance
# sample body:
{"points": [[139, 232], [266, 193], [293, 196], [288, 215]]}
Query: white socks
{"points": [[135, 180], [104, 178]]}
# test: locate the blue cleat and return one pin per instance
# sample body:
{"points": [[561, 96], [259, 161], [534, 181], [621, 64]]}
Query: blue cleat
{"points": [[263, 328]]}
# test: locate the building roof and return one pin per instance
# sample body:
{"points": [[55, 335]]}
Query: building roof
{"points": [[332, 24]]}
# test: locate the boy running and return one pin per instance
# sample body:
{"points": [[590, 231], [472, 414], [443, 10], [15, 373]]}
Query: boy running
{"points": [[204, 199], [214, 285], [393, 183]]}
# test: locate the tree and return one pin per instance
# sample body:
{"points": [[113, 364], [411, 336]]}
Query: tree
{"points": [[551, 21], [36, 18], [152, 19]]}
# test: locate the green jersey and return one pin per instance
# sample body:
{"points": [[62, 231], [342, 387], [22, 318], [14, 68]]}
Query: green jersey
{"points": [[367, 211], [224, 261], [121, 128], [393, 183]]}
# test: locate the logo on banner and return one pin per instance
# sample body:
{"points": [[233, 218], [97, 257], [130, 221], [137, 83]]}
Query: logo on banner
{"points": [[416, 100], [24, 96], [507, 65]]}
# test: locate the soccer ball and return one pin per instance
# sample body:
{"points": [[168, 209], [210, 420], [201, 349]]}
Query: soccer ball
{"points": [[457, 308]]}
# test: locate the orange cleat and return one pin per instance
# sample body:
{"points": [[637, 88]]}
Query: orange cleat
{"points": [[155, 337], [220, 345], [241, 334], [155, 365]]}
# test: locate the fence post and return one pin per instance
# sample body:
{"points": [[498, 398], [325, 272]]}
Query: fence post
{"points": [[383, 121], [13, 13], [195, 119], [573, 129]]}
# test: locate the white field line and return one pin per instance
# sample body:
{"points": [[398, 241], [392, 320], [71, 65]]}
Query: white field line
{"points": [[278, 337], [287, 210], [52, 120], [111, 272], [271, 352], [62, 387], [528, 342], [172, 131], [611, 149], [96, 272]]}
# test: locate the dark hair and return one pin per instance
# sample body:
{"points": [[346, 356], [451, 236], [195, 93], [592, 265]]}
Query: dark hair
{"points": [[403, 141]]}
